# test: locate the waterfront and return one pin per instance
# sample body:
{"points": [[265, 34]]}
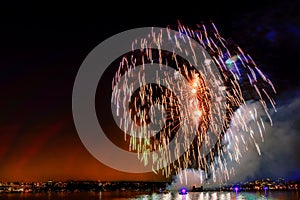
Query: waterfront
{"points": [[278, 189], [125, 195]]}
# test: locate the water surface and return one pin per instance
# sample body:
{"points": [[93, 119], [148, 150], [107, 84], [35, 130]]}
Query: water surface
{"points": [[123, 195]]}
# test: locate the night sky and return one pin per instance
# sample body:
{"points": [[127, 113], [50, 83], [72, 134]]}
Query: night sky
{"points": [[43, 45]]}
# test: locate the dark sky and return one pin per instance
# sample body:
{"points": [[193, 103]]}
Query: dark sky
{"points": [[42, 46]]}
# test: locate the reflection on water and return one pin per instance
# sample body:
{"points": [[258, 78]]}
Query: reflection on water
{"points": [[272, 195], [276, 195]]}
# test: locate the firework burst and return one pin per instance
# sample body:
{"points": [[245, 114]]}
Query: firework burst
{"points": [[176, 111]]}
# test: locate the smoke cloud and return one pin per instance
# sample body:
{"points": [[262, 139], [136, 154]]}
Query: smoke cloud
{"points": [[258, 147]]}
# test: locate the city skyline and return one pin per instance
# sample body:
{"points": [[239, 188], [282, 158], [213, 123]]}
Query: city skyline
{"points": [[266, 184]]}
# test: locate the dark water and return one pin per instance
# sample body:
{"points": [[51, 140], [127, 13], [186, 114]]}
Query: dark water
{"points": [[271, 195]]}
